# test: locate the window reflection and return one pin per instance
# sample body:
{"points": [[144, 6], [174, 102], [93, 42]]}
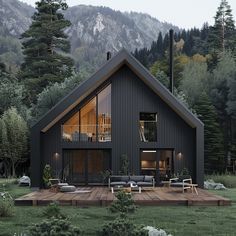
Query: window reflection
{"points": [[93, 117], [88, 121], [104, 115], [148, 127], [71, 128]]}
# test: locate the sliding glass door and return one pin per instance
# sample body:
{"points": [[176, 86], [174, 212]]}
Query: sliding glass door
{"points": [[85, 166], [157, 162], [98, 161]]}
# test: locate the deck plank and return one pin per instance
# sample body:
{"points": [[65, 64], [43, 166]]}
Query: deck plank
{"points": [[102, 196]]}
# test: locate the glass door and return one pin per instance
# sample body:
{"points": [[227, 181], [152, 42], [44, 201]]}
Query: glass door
{"points": [[166, 164], [85, 166], [149, 163], [98, 162], [158, 163], [74, 170]]}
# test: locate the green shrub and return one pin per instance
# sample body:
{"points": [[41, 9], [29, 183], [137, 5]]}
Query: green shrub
{"points": [[122, 227], [47, 174], [124, 169], [6, 207], [229, 181], [53, 227], [105, 175], [124, 203], [53, 210]]}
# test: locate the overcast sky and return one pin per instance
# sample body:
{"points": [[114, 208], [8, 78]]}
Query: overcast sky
{"points": [[183, 13]]}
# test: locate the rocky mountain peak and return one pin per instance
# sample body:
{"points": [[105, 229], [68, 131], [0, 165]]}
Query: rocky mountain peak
{"points": [[93, 30]]}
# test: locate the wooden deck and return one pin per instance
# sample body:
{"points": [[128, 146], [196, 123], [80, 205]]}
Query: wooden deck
{"points": [[101, 196]]}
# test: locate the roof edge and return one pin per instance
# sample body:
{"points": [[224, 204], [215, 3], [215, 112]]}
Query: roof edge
{"points": [[101, 75]]}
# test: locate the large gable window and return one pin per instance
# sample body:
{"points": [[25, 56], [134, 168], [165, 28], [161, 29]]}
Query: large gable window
{"points": [[148, 127], [71, 128], [104, 115], [92, 123], [88, 127]]}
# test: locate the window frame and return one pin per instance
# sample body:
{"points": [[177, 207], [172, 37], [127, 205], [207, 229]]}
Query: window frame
{"points": [[140, 131]]}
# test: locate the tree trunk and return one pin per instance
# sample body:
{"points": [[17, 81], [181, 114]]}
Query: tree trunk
{"points": [[13, 169], [6, 169]]}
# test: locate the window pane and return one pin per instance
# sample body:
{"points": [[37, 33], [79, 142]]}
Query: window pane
{"points": [[98, 162], [104, 115], [148, 116], [71, 128], [148, 127], [88, 121], [165, 164], [148, 162]]}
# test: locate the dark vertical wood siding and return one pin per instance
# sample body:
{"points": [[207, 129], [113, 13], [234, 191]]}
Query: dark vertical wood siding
{"points": [[130, 96], [51, 145]]}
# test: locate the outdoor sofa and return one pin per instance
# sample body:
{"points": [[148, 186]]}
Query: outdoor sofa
{"points": [[133, 181]]}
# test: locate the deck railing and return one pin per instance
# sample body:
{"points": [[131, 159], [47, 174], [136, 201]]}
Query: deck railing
{"points": [[86, 133]]}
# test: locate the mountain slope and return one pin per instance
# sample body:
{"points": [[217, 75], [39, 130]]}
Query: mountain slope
{"points": [[14, 20], [14, 17], [94, 31]]}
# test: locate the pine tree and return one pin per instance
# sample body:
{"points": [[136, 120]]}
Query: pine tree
{"points": [[222, 34], [214, 152], [222, 93], [14, 138], [188, 44], [45, 46]]}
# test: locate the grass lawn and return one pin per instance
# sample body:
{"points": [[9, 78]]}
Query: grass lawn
{"points": [[175, 220], [229, 193]]}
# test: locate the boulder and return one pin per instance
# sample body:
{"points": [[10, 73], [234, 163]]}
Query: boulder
{"points": [[152, 231], [24, 181], [210, 184]]}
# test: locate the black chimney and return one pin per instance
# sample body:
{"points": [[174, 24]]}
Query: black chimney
{"points": [[108, 56], [171, 72]]}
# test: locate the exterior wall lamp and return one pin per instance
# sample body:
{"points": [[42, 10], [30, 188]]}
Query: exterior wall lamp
{"points": [[180, 156]]}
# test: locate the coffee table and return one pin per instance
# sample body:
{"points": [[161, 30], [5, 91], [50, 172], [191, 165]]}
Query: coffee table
{"points": [[166, 183], [135, 187], [126, 189], [116, 187]]}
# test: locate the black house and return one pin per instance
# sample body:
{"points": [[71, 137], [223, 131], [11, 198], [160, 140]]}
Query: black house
{"points": [[121, 109]]}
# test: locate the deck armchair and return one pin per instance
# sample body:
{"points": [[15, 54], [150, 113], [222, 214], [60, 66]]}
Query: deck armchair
{"points": [[185, 182]]}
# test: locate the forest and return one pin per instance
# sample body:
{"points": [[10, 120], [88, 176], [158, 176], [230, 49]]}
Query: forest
{"points": [[204, 80]]}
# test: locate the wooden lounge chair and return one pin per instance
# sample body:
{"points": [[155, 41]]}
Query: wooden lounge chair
{"points": [[185, 183]]}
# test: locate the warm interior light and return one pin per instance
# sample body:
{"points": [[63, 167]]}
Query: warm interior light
{"points": [[148, 164], [149, 151], [162, 164]]}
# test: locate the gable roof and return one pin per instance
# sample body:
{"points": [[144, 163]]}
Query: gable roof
{"points": [[85, 88]]}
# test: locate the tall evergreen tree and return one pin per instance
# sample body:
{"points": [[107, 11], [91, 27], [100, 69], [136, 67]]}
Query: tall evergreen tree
{"points": [[222, 34], [45, 46], [221, 88], [14, 138], [160, 48], [213, 147]]}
